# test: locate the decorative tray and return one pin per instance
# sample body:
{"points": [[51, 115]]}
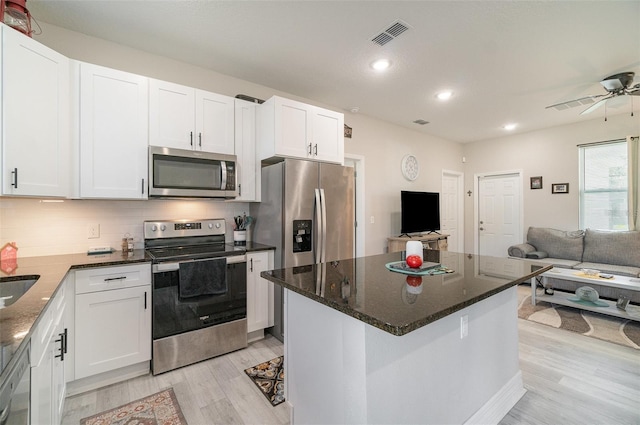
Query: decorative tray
{"points": [[427, 268]]}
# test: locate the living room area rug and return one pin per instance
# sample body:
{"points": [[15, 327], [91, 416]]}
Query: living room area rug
{"points": [[161, 408], [608, 328], [269, 378]]}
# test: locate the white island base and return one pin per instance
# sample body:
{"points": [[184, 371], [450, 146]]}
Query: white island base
{"points": [[340, 370]]}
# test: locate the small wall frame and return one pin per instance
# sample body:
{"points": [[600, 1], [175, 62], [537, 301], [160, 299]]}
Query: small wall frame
{"points": [[560, 188], [536, 182]]}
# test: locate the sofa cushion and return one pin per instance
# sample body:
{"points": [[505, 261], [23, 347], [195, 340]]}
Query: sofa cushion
{"points": [[556, 262], [557, 243], [611, 269], [607, 247], [520, 250]]}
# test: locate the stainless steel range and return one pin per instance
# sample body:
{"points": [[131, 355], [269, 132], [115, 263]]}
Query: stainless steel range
{"points": [[199, 292]]}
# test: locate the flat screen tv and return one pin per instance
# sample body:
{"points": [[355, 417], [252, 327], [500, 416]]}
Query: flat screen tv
{"points": [[419, 212]]}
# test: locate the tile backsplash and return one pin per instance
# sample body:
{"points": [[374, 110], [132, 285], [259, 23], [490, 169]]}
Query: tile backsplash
{"points": [[40, 227]]}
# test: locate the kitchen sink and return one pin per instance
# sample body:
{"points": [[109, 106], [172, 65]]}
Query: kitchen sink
{"points": [[14, 287]]}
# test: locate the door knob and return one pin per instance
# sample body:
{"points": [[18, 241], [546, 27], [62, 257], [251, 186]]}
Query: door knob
{"points": [[482, 228]]}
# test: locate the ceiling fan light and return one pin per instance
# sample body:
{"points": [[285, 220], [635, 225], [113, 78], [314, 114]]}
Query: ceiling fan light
{"points": [[510, 126]]}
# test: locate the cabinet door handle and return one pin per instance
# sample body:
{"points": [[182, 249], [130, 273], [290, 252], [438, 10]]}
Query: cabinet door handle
{"points": [[239, 189], [15, 178], [191, 138], [200, 139], [114, 278], [315, 149], [145, 300], [143, 186], [62, 344], [66, 340], [309, 149], [251, 265]]}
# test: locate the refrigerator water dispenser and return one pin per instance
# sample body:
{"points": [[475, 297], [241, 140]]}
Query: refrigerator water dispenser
{"points": [[302, 235]]}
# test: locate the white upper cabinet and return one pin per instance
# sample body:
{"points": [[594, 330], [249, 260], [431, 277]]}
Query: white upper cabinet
{"points": [[214, 122], [187, 118], [287, 128], [113, 133], [35, 125], [245, 141]]}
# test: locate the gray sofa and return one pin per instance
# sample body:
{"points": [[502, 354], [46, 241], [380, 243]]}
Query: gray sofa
{"points": [[607, 251]]}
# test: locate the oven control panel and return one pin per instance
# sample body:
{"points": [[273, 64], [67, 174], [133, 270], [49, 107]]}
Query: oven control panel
{"points": [[180, 228]]}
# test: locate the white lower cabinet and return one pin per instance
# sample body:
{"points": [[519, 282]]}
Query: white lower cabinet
{"points": [[259, 291], [49, 348], [112, 318]]}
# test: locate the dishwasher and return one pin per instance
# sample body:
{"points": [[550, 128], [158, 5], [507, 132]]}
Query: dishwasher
{"points": [[15, 391]]}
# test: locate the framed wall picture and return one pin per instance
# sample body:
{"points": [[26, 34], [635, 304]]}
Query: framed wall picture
{"points": [[536, 182], [560, 188]]}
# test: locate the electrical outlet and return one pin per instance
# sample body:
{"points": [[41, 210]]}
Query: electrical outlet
{"points": [[464, 326], [93, 231]]}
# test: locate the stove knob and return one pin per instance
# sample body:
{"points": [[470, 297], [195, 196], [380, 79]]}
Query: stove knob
{"points": [[163, 227], [210, 225], [154, 228], [217, 225]]}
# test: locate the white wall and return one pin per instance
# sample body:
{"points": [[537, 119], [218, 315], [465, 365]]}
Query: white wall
{"points": [[551, 153], [383, 145]]}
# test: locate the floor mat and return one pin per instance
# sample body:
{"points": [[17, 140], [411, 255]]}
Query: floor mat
{"points": [[269, 377], [608, 328], [158, 409]]}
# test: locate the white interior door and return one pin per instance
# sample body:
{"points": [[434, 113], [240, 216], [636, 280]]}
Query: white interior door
{"points": [[499, 213], [452, 204]]}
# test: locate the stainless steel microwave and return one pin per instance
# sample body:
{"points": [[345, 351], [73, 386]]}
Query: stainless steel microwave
{"points": [[179, 173]]}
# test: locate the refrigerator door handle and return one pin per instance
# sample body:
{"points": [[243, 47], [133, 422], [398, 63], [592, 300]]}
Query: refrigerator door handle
{"points": [[318, 228], [323, 202]]}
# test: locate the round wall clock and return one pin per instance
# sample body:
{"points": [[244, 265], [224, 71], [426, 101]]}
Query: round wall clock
{"points": [[410, 168]]}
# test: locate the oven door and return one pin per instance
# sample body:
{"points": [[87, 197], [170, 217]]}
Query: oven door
{"points": [[184, 173], [178, 309]]}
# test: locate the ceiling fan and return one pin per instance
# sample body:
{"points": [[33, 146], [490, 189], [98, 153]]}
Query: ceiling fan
{"points": [[615, 85]]}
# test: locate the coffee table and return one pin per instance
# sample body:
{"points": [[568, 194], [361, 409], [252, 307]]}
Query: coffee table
{"points": [[632, 312]]}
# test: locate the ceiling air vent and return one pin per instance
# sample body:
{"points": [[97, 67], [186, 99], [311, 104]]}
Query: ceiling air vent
{"points": [[390, 33], [421, 122]]}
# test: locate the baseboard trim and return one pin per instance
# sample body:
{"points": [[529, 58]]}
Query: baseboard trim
{"points": [[501, 403], [94, 382]]}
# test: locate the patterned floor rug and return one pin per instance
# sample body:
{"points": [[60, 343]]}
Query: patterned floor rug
{"points": [[608, 328], [158, 409], [269, 377]]}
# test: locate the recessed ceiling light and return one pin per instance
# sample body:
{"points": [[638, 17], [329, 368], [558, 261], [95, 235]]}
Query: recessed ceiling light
{"points": [[381, 64], [444, 95], [509, 127]]}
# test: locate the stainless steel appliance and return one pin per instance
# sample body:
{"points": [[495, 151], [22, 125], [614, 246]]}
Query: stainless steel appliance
{"points": [[308, 213], [15, 391], [179, 173], [199, 292]]}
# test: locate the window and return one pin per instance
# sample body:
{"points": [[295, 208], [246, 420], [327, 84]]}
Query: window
{"points": [[603, 186]]}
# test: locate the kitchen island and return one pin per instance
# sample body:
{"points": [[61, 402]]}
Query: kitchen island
{"points": [[364, 344]]}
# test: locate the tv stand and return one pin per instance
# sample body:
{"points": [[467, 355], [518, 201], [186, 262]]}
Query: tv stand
{"points": [[432, 240]]}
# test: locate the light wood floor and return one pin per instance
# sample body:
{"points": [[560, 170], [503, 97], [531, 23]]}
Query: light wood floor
{"points": [[570, 379]]}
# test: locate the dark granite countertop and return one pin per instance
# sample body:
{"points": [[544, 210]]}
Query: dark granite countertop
{"points": [[366, 290], [18, 320]]}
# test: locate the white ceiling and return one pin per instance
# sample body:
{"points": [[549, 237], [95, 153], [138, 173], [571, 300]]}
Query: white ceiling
{"points": [[505, 60]]}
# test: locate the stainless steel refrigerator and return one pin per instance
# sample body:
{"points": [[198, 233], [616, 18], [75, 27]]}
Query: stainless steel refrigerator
{"points": [[308, 213]]}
